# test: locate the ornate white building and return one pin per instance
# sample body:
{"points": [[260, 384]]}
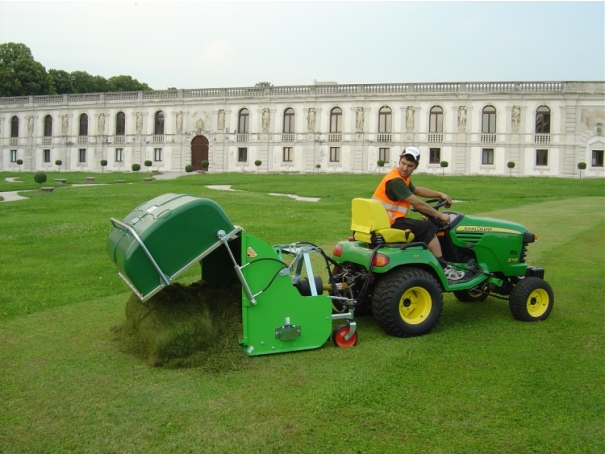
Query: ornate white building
{"points": [[544, 128]]}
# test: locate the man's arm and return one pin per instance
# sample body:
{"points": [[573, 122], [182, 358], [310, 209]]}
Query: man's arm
{"points": [[422, 207]]}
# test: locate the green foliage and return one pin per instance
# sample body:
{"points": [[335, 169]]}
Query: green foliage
{"points": [[148, 164], [188, 168], [205, 164], [581, 165], [20, 74], [263, 84], [19, 162], [136, 167], [510, 164], [380, 163], [444, 164], [126, 83], [40, 177]]}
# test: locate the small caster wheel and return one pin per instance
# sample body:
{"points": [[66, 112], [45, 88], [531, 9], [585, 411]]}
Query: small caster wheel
{"points": [[338, 336]]}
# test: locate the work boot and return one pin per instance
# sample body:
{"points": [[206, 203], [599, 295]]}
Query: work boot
{"points": [[452, 274]]}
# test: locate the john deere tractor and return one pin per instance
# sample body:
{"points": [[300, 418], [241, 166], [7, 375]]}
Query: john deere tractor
{"points": [[401, 281]]}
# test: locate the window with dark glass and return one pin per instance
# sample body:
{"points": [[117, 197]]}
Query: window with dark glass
{"points": [[157, 154], [46, 155], [336, 120], [242, 123], [48, 126], [487, 156], [597, 158], [242, 154], [543, 120], [541, 157], [83, 125], [434, 155], [383, 154], [436, 120], [384, 120], [289, 121], [15, 126], [120, 124], [488, 120], [119, 154], [13, 155], [82, 155], [287, 154], [158, 128], [334, 154]]}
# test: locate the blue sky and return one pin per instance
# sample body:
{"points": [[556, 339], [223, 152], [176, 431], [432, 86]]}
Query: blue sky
{"points": [[204, 44]]}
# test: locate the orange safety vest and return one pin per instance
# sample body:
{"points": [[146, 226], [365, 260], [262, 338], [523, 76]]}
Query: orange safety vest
{"points": [[395, 209]]}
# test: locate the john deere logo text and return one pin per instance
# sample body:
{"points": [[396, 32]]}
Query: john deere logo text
{"points": [[482, 229]]}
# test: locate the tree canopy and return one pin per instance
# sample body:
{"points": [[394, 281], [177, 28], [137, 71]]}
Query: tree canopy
{"points": [[21, 75]]}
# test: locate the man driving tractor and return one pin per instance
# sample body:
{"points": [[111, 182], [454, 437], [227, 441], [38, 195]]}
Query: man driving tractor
{"points": [[398, 195]]}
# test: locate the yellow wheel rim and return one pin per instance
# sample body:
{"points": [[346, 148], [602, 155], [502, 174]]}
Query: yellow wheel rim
{"points": [[415, 305], [537, 302]]}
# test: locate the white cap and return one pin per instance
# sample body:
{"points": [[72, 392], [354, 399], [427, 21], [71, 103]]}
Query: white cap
{"points": [[413, 151]]}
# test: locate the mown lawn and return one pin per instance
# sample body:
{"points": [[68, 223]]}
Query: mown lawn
{"points": [[480, 382]]}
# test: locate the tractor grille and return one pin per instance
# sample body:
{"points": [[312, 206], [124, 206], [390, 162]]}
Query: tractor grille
{"points": [[523, 253], [470, 237]]}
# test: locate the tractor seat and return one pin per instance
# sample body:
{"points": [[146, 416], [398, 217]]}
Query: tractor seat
{"points": [[369, 219]]}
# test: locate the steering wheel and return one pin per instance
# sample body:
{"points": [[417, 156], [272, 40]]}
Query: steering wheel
{"points": [[438, 204]]}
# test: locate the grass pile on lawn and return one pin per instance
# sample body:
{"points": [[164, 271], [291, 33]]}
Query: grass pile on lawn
{"points": [[185, 326]]}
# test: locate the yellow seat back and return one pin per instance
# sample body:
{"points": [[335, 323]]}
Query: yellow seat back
{"points": [[369, 215]]}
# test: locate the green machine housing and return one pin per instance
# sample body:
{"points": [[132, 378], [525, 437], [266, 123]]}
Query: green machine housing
{"points": [[164, 237]]}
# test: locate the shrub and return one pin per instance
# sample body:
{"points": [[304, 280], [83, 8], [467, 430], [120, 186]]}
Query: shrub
{"points": [[581, 166], [136, 167], [58, 163], [40, 177], [257, 163], [148, 164], [380, 163], [188, 168], [103, 164], [205, 165], [443, 165], [19, 163], [511, 166]]}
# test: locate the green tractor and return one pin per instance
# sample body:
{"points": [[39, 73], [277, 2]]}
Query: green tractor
{"points": [[401, 281]]}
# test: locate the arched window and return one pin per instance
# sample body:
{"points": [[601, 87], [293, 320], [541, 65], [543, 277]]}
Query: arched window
{"points": [[158, 128], [243, 121], [543, 120], [384, 120], [120, 124], [83, 125], [289, 121], [488, 120], [336, 120], [48, 126], [15, 126], [436, 120]]}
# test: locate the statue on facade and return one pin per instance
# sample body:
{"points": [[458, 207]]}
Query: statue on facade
{"points": [[221, 119], [266, 118], [179, 121], [311, 120], [515, 119], [359, 120], [30, 124], [199, 125], [461, 119], [139, 122], [64, 124], [409, 118], [101, 123]]}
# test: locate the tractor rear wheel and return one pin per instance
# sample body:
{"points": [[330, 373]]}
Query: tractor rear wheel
{"points": [[407, 302], [531, 300]]}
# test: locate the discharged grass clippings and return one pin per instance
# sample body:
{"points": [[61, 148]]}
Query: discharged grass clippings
{"points": [[195, 326]]}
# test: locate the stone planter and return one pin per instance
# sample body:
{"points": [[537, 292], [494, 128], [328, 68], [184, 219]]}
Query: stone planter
{"points": [[46, 190], [147, 180], [60, 181], [120, 181], [90, 179]]}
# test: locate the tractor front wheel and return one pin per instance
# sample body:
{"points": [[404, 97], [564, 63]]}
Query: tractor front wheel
{"points": [[407, 302], [531, 300]]}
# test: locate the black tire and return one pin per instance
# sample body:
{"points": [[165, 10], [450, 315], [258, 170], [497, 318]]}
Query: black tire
{"points": [[407, 302], [531, 300], [470, 296]]}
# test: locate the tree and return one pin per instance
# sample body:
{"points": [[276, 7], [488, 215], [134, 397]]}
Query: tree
{"points": [[511, 166], [40, 177], [263, 84], [380, 163], [126, 83], [205, 165], [257, 163], [20, 74], [136, 167], [103, 165], [58, 163], [444, 164], [62, 81], [188, 168], [19, 163], [148, 164], [581, 166]]}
